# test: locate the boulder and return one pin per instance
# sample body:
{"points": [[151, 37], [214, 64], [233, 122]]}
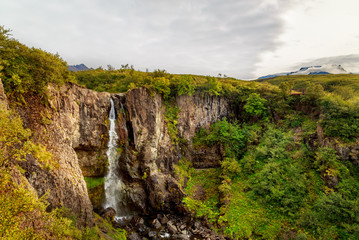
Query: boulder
{"points": [[171, 227], [156, 224], [134, 236], [109, 214]]}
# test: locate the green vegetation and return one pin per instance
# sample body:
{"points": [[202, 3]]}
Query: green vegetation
{"points": [[255, 105], [171, 116], [28, 71], [166, 84], [330, 82], [276, 179], [203, 193], [22, 214], [115, 233], [288, 168], [94, 182], [96, 190]]}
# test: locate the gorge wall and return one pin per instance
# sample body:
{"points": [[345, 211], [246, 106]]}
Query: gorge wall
{"points": [[147, 167], [74, 129]]}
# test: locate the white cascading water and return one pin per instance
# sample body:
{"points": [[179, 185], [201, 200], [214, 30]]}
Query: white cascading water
{"points": [[113, 183]]}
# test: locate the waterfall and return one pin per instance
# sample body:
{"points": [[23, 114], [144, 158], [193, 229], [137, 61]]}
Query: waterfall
{"points": [[113, 183]]}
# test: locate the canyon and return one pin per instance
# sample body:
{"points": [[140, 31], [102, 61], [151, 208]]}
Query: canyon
{"points": [[74, 127]]}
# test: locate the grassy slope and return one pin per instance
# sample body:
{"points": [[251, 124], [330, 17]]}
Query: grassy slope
{"points": [[326, 80]]}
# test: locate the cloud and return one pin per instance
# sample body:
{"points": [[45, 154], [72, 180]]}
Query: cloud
{"points": [[201, 37], [312, 30]]}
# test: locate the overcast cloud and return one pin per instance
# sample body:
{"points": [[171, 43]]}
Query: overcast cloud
{"points": [[239, 38]]}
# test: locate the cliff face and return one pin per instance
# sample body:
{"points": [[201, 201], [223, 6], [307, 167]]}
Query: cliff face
{"points": [[154, 153], [150, 157], [73, 129], [82, 116], [200, 112]]}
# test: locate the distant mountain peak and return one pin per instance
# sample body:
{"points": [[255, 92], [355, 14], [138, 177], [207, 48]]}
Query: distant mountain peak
{"points": [[312, 70], [76, 68]]}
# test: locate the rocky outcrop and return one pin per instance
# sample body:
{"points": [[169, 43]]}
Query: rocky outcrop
{"points": [[3, 99], [200, 111], [82, 116], [170, 227], [154, 154], [148, 163], [349, 151], [73, 125]]}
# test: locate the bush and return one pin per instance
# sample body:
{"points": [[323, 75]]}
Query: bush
{"points": [[28, 70], [185, 85], [230, 135], [340, 118], [255, 105], [22, 214]]}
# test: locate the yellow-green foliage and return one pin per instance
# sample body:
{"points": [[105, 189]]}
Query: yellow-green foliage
{"points": [[92, 182], [96, 190], [115, 233], [202, 193], [183, 170], [161, 82], [22, 214], [328, 81], [246, 219], [15, 142], [171, 116], [28, 70]]}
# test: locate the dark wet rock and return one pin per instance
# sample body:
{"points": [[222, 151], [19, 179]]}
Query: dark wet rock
{"points": [[137, 221], [171, 227], [164, 219], [156, 223], [143, 229], [109, 214], [182, 226], [152, 234], [134, 236], [180, 237], [197, 225]]}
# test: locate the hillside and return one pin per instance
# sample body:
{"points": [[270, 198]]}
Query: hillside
{"points": [[328, 82], [194, 156]]}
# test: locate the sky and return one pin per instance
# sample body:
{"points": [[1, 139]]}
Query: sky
{"points": [[244, 39]]}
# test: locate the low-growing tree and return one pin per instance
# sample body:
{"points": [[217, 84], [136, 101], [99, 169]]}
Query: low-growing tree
{"points": [[256, 106]]}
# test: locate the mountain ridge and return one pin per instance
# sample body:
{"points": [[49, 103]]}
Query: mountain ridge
{"points": [[312, 70], [78, 67]]}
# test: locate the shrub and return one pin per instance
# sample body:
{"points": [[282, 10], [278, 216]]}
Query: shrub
{"points": [[255, 105], [28, 70], [340, 118], [185, 85]]}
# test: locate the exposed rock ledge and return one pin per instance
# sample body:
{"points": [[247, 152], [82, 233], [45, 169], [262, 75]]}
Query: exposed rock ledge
{"points": [[75, 121], [74, 128]]}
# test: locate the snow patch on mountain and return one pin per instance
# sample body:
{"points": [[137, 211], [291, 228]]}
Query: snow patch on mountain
{"points": [[312, 70]]}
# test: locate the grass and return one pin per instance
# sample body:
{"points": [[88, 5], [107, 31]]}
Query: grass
{"points": [[92, 182], [328, 81]]}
